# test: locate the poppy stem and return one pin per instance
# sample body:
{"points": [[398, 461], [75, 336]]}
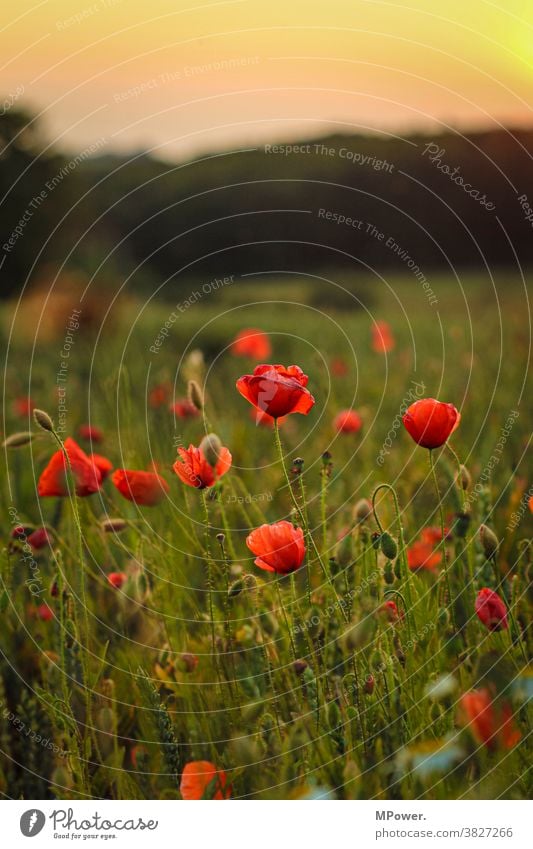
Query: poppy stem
{"points": [[459, 473], [209, 576], [303, 520], [451, 606]]}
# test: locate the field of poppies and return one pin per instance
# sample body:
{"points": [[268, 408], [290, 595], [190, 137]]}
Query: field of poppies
{"points": [[269, 542]]}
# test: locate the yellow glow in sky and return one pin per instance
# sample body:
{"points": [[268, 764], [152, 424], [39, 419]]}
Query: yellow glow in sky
{"points": [[183, 76]]}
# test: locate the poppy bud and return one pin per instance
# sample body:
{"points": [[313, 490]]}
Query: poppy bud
{"points": [[398, 569], [489, 541], [43, 420], [362, 510], [377, 661], [388, 572], [370, 683], [333, 714], [299, 666], [462, 523], [113, 526], [195, 395], [211, 446], [17, 440], [388, 546], [464, 478]]}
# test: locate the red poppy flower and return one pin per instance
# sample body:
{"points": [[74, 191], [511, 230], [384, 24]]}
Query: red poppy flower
{"points": [[278, 548], [433, 535], [103, 465], [184, 409], [389, 611], [45, 613], [145, 488], [39, 538], [347, 421], [431, 422], [277, 390], [20, 532], [530, 502], [23, 407], [194, 470], [490, 723], [91, 433], [201, 779], [117, 579], [339, 367], [263, 419], [159, 395], [491, 610], [251, 343], [53, 480], [421, 555], [382, 337]]}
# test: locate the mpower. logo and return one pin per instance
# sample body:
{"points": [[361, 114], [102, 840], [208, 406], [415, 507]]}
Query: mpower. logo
{"points": [[32, 822]]}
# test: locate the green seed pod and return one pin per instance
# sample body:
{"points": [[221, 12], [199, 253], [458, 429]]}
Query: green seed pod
{"points": [[211, 446], [377, 660], [489, 541], [17, 440], [333, 715], [398, 569], [43, 420], [389, 546], [388, 573]]}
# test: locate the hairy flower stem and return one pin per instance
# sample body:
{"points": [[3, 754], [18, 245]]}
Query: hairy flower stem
{"points": [[209, 578], [451, 606], [459, 474], [406, 573], [286, 619], [301, 514]]}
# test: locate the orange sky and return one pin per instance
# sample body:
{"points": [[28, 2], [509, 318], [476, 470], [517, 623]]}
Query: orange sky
{"points": [[179, 76]]}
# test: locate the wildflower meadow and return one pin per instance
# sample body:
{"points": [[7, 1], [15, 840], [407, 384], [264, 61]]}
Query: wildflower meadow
{"points": [[260, 546]]}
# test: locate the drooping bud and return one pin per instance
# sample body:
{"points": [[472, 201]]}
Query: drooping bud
{"points": [[299, 666], [389, 546], [195, 395], [17, 440], [211, 446], [362, 510], [43, 420], [489, 541]]}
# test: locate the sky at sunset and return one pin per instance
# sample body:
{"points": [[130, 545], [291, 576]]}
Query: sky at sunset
{"points": [[179, 77]]}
